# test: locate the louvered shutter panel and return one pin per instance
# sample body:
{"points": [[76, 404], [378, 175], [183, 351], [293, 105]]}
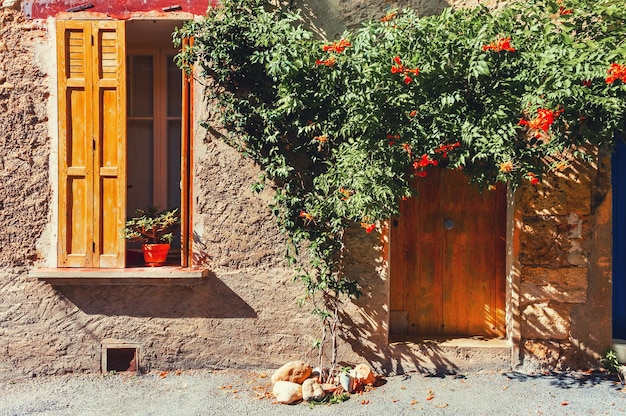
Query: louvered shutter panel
{"points": [[110, 142], [92, 143]]}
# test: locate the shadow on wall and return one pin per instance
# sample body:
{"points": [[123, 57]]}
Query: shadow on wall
{"points": [[396, 357], [565, 259], [364, 322], [200, 257], [210, 298], [564, 277]]}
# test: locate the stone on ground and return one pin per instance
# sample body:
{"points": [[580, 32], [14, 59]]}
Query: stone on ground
{"points": [[294, 371], [287, 392], [364, 374], [312, 390]]}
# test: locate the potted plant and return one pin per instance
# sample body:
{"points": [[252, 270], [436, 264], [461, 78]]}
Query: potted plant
{"points": [[155, 229]]}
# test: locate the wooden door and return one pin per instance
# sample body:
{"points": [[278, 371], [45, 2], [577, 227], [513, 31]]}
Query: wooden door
{"points": [[92, 143], [447, 259]]}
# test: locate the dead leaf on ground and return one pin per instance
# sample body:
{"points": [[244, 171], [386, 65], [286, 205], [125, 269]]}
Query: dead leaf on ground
{"points": [[430, 397], [564, 403], [505, 387], [442, 406], [414, 402], [163, 374]]}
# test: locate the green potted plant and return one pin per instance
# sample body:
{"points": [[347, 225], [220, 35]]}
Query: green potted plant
{"points": [[155, 229]]}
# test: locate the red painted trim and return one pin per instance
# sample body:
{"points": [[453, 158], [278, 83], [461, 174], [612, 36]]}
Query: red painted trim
{"points": [[119, 9]]}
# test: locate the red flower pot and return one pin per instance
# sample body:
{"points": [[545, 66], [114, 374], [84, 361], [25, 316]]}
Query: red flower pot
{"points": [[155, 254]]}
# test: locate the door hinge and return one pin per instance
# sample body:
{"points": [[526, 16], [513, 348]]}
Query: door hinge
{"points": [[93, 246], [93, 143]]}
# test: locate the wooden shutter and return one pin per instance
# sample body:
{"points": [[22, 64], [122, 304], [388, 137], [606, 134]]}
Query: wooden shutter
{"points": [[92, 143]]}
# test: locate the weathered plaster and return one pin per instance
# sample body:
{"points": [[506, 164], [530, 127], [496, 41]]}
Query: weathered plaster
{"points": [[558, 296], [45, 57]]}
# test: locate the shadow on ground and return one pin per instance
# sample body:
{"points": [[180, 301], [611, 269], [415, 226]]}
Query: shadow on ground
{"points": [[568, 380]]}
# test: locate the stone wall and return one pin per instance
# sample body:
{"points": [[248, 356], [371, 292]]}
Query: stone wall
{"points": [[565, 296]]}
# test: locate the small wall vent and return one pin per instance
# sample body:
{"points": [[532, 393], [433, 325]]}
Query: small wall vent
{"points": [[120, 356]]}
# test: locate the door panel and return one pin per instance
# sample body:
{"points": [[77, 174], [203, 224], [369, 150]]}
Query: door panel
{"points": [[447, 253]]}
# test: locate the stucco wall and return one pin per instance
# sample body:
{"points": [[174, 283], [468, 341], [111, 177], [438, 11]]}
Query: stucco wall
{"points": [[26, 340], [245, 313]]}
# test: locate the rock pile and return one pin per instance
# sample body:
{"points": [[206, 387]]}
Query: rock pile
{"points": [[297, 381]]}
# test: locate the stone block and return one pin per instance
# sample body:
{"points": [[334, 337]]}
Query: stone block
{"points": [[538, 241], [563, 277], [565, 285], [554, 241], [530, 293], [559, 193], [545, 320], [545, 354]]}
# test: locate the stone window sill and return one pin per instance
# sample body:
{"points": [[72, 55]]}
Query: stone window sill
{"points": [[165, 275]]}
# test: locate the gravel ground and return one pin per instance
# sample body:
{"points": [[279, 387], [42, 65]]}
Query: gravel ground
{"points": [[235, 392]]}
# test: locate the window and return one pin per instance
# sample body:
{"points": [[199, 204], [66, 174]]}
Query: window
{"points": [[120, 142]]}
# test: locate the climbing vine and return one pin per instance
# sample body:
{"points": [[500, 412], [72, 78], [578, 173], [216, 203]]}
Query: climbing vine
{"points": [[340, 127]]}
